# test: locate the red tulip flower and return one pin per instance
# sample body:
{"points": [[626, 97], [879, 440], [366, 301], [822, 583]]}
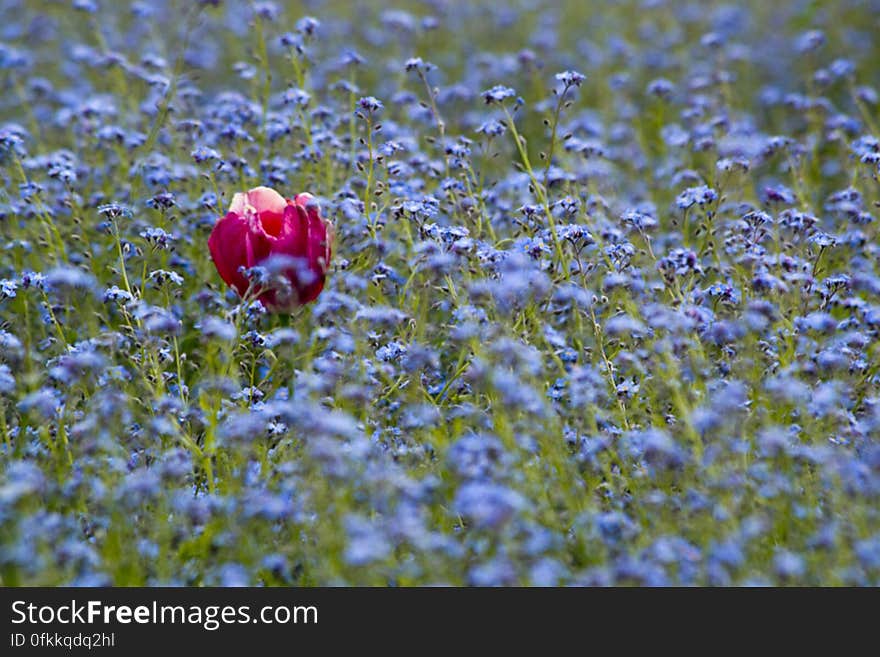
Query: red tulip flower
{"points": [[287, 237]]}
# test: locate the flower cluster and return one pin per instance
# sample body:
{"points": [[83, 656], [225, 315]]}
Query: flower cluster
{"points": [[603, 305]]}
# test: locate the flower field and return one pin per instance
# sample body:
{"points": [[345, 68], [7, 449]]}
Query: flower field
{"points": [[599, 304]]}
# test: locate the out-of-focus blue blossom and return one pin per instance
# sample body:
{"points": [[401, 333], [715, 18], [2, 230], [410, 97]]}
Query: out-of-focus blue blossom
{"points": [[487, 505]]}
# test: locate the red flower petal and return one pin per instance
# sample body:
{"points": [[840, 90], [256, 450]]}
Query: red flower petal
{"points": [[228, 245], [260, 199]]}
